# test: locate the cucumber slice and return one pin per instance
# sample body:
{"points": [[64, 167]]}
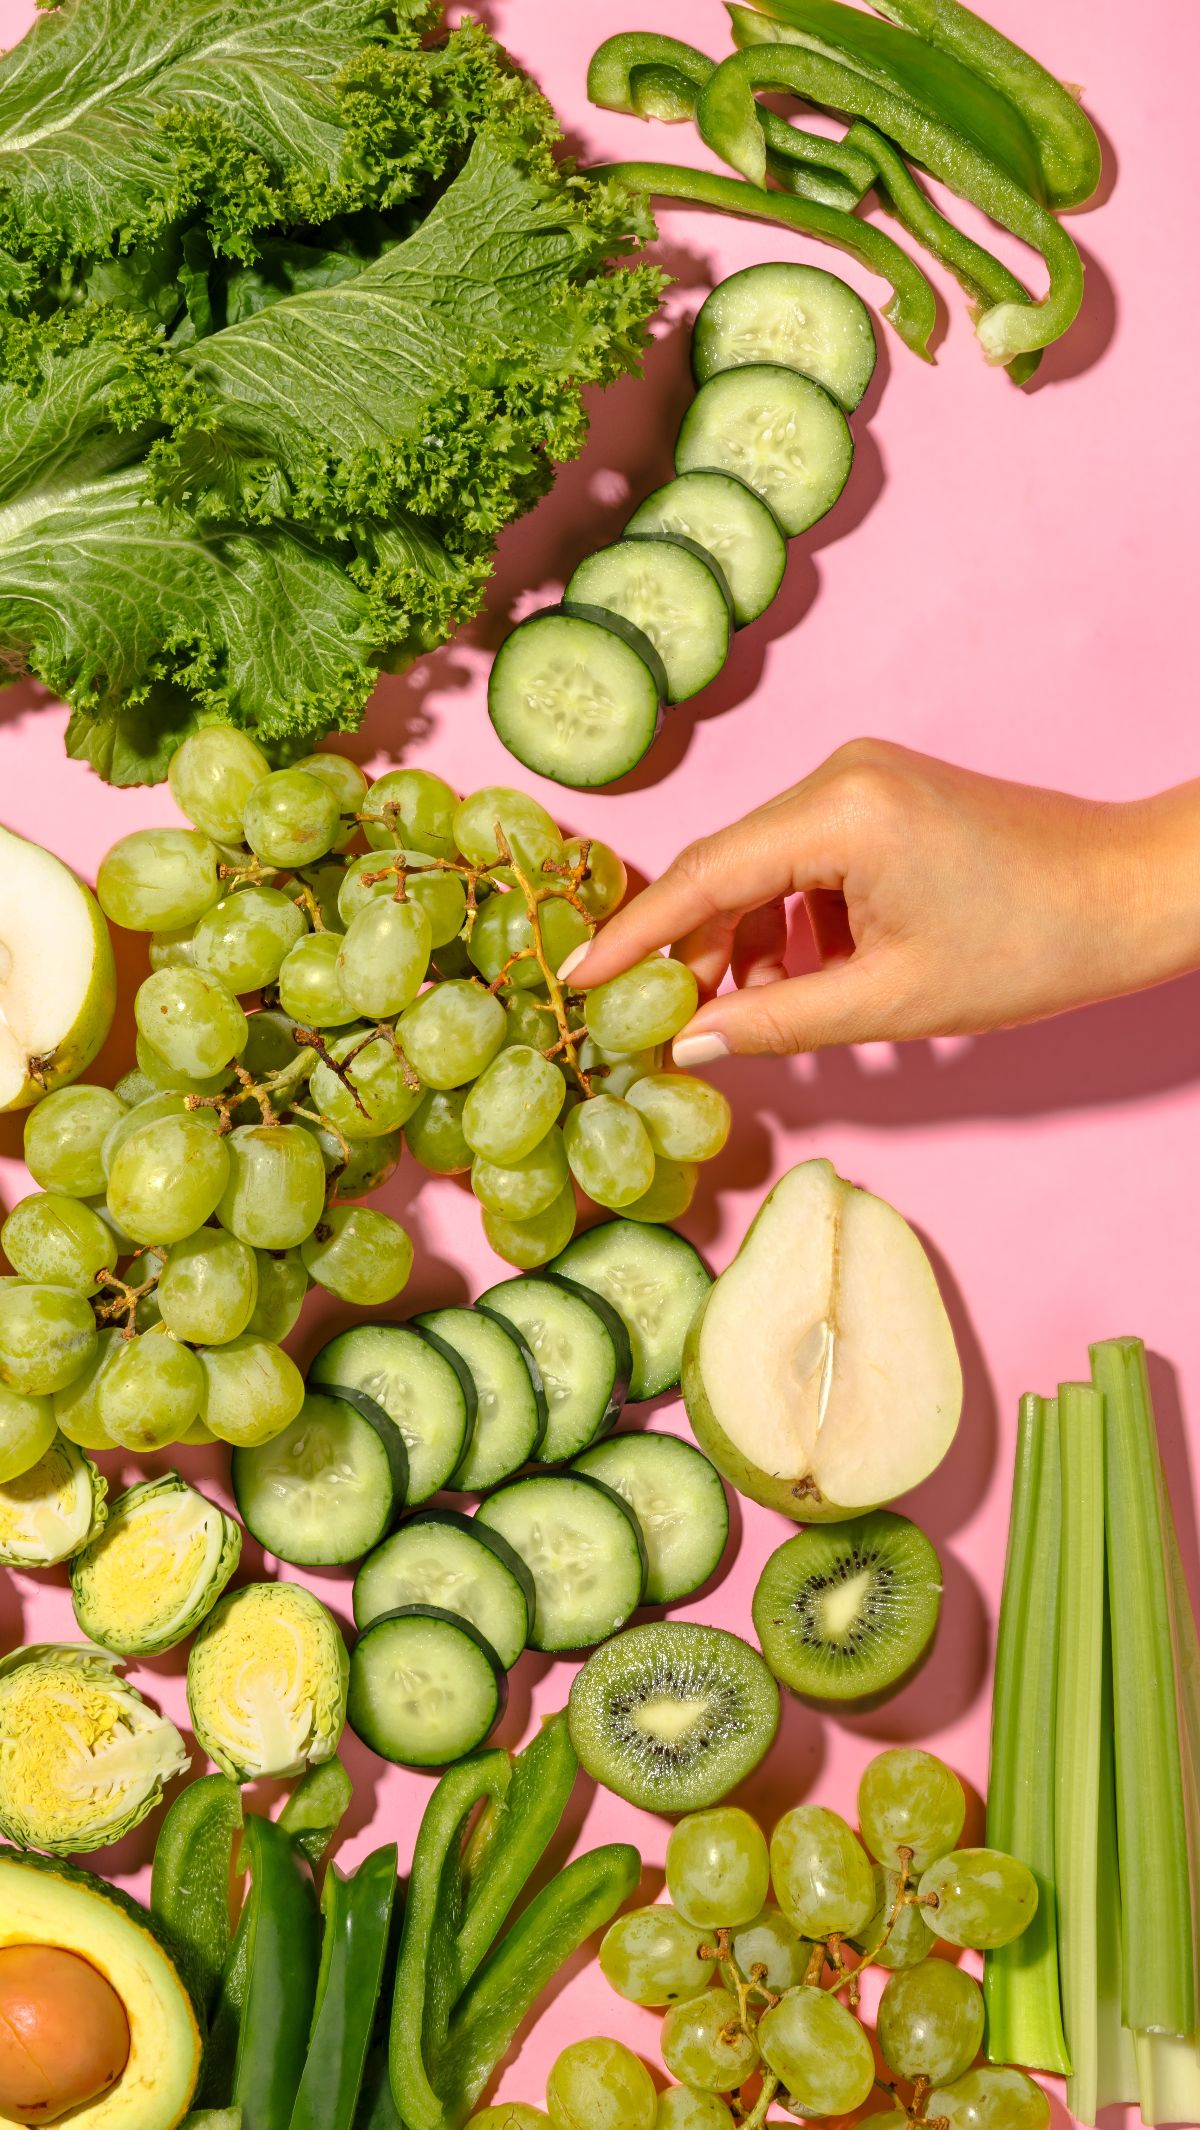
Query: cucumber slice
{"points": [[327, 1489], [510, 1404], [779, 432], [417, 1387], [720, 514], [425, 1687], [583, 1548], [655, 1280], [679, 1501], [670, 590], [798, 316], [581, 1352], [447, 1560], [576, 696]]}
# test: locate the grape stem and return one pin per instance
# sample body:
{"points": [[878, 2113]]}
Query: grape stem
{"points": [[905, 1898], [758, 2113], [121, 1303]]}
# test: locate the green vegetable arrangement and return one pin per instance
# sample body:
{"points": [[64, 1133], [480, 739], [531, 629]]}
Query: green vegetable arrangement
{"points": [[296, 312]]}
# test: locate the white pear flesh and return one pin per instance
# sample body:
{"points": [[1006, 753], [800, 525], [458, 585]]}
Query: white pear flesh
{"points": [[58, 989], [821, 1375]]}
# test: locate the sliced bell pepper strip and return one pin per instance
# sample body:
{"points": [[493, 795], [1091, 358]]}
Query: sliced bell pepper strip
{"points": [[912, 309], [949, 92], [282, 1962], [1068, 151], [511, 1838], [190, 1882], [225, 2020], [357, 1916], [727, 116], [316, 1807]]}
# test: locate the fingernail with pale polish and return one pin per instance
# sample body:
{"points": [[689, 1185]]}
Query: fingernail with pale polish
{"points": [[705, 1049], [574, 958]]}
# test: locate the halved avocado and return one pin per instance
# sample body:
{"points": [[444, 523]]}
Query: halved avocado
{"points": [[46, 1902]]}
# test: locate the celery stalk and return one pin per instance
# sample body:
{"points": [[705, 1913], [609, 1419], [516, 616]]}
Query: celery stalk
{"points": [[1116, 2063], [1078, 1734], [1024, 2017], [1158, 1957]]}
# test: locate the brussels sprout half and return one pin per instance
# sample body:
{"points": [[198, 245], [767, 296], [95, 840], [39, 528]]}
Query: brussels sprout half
{"points": [[50, 1511], [156, 1569], [266, 1682], [82, 1757]]}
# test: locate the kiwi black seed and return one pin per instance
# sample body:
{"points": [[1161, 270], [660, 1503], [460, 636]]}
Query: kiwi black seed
{"points": [[672, 1716], [845, 1612]]}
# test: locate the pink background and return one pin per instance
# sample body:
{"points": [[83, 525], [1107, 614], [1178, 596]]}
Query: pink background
{"points": [[1008, 581]]}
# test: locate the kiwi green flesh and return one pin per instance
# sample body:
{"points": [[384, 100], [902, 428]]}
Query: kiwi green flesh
{"points": [[672, 1716], [845, 1612]]}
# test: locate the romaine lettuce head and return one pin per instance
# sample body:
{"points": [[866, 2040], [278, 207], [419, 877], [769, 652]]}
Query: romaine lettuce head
{"points": [[82, 1757], [49, 1512], [266, 1682], [156, 1569]]}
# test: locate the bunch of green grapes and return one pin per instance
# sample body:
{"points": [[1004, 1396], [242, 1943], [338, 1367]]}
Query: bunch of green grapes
{"points": [[761, 1994], [337, 969]]}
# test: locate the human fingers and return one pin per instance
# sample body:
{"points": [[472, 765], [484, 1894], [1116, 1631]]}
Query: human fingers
{"points": [[760, 947], [846, 1003]]}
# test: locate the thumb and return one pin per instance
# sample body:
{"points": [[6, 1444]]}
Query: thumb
{"points": [[845, 1003]]}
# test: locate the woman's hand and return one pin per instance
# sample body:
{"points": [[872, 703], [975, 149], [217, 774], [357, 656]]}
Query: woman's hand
{"points": [[941, 902]]}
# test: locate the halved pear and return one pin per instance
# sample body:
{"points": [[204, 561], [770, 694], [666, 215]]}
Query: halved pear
{"points": [[821, 1374], [58, 986]]}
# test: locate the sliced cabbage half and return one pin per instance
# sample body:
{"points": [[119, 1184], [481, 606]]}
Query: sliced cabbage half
{"points": [[82, 1757], [156, 1569], [266, 1682], [50, 1512]]}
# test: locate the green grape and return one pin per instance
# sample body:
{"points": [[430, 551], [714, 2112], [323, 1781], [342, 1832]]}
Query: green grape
{"points": [[769, 1942], [979, 1897], [909, 1940], [291, 818], [152, 1392], [347, 783], [529, 1021], [509, 2115], [243, 939], [600, 2085], [648, 1004], [441, 895], [77, 1406], [57, 1240], [384, 955], [252, 1390], [168, 1178], [512, 1105], [282, 1286], [276, 1185], [671, 1192], [158, 879], [212, 774], [174, 950], [614, 1072], [371, 1162], [148, 1311], [27, 1428], [991, 2098], [434, 1132], [452, 962], [602, 888], [383, 1089], [420, 813], [324, 884], [930, 2021], [47, 1336], [271, 1046], [909, 1799], [820, 1872], [502, 930], [609, 1150], [133, 1086], [310, 982], [360, 1255], [523, 1189], [651, 1956], [718, 1869], [704, 2044], [208, 1287], [686, 2108], [164, 1102], [686, 1118], [530, 1243], [891, 2119], [64, 1135], [452, 1033], [531, 835], [819, 2051], [190, 1020], [165, 1080]]}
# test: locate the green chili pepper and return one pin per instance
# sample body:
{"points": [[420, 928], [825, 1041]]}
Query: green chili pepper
{"points": [[225, 2021], [190, 1883], [659, 77], [357, 1915], [282, 1961], [1068, 151], [316, 1807], [941, 86], [913, 305], [727, 116], [512, 1835]]}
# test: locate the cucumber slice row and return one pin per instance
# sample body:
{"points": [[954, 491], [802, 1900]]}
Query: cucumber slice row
{"points": [[799, 316], [327, 1489], [582, 1354], [413, 1376], [722, 515], [510, 1402], [575, 697], [781, 433], [674, 593], [457, 1564], [583, 1547], [654, 1280], [679, 1501], [425, 1687]]}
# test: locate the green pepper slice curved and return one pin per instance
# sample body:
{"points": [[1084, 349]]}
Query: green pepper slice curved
{"points": [[190, 1880], [282, 1962], [511, 1837], [357, 1915]]}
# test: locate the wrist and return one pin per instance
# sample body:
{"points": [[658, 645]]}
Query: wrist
{"points": [[1156, 885]]}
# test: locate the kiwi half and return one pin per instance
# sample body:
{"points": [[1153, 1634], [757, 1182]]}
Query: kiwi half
{"points": [[846, 1611], [671, 1716]]}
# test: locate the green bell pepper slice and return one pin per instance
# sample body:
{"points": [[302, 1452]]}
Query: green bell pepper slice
{"points": [[316, 1808], [282, 1960], [357, 1915], [190, 1880], [912, 307], [727, 116], [512, 1834]]}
